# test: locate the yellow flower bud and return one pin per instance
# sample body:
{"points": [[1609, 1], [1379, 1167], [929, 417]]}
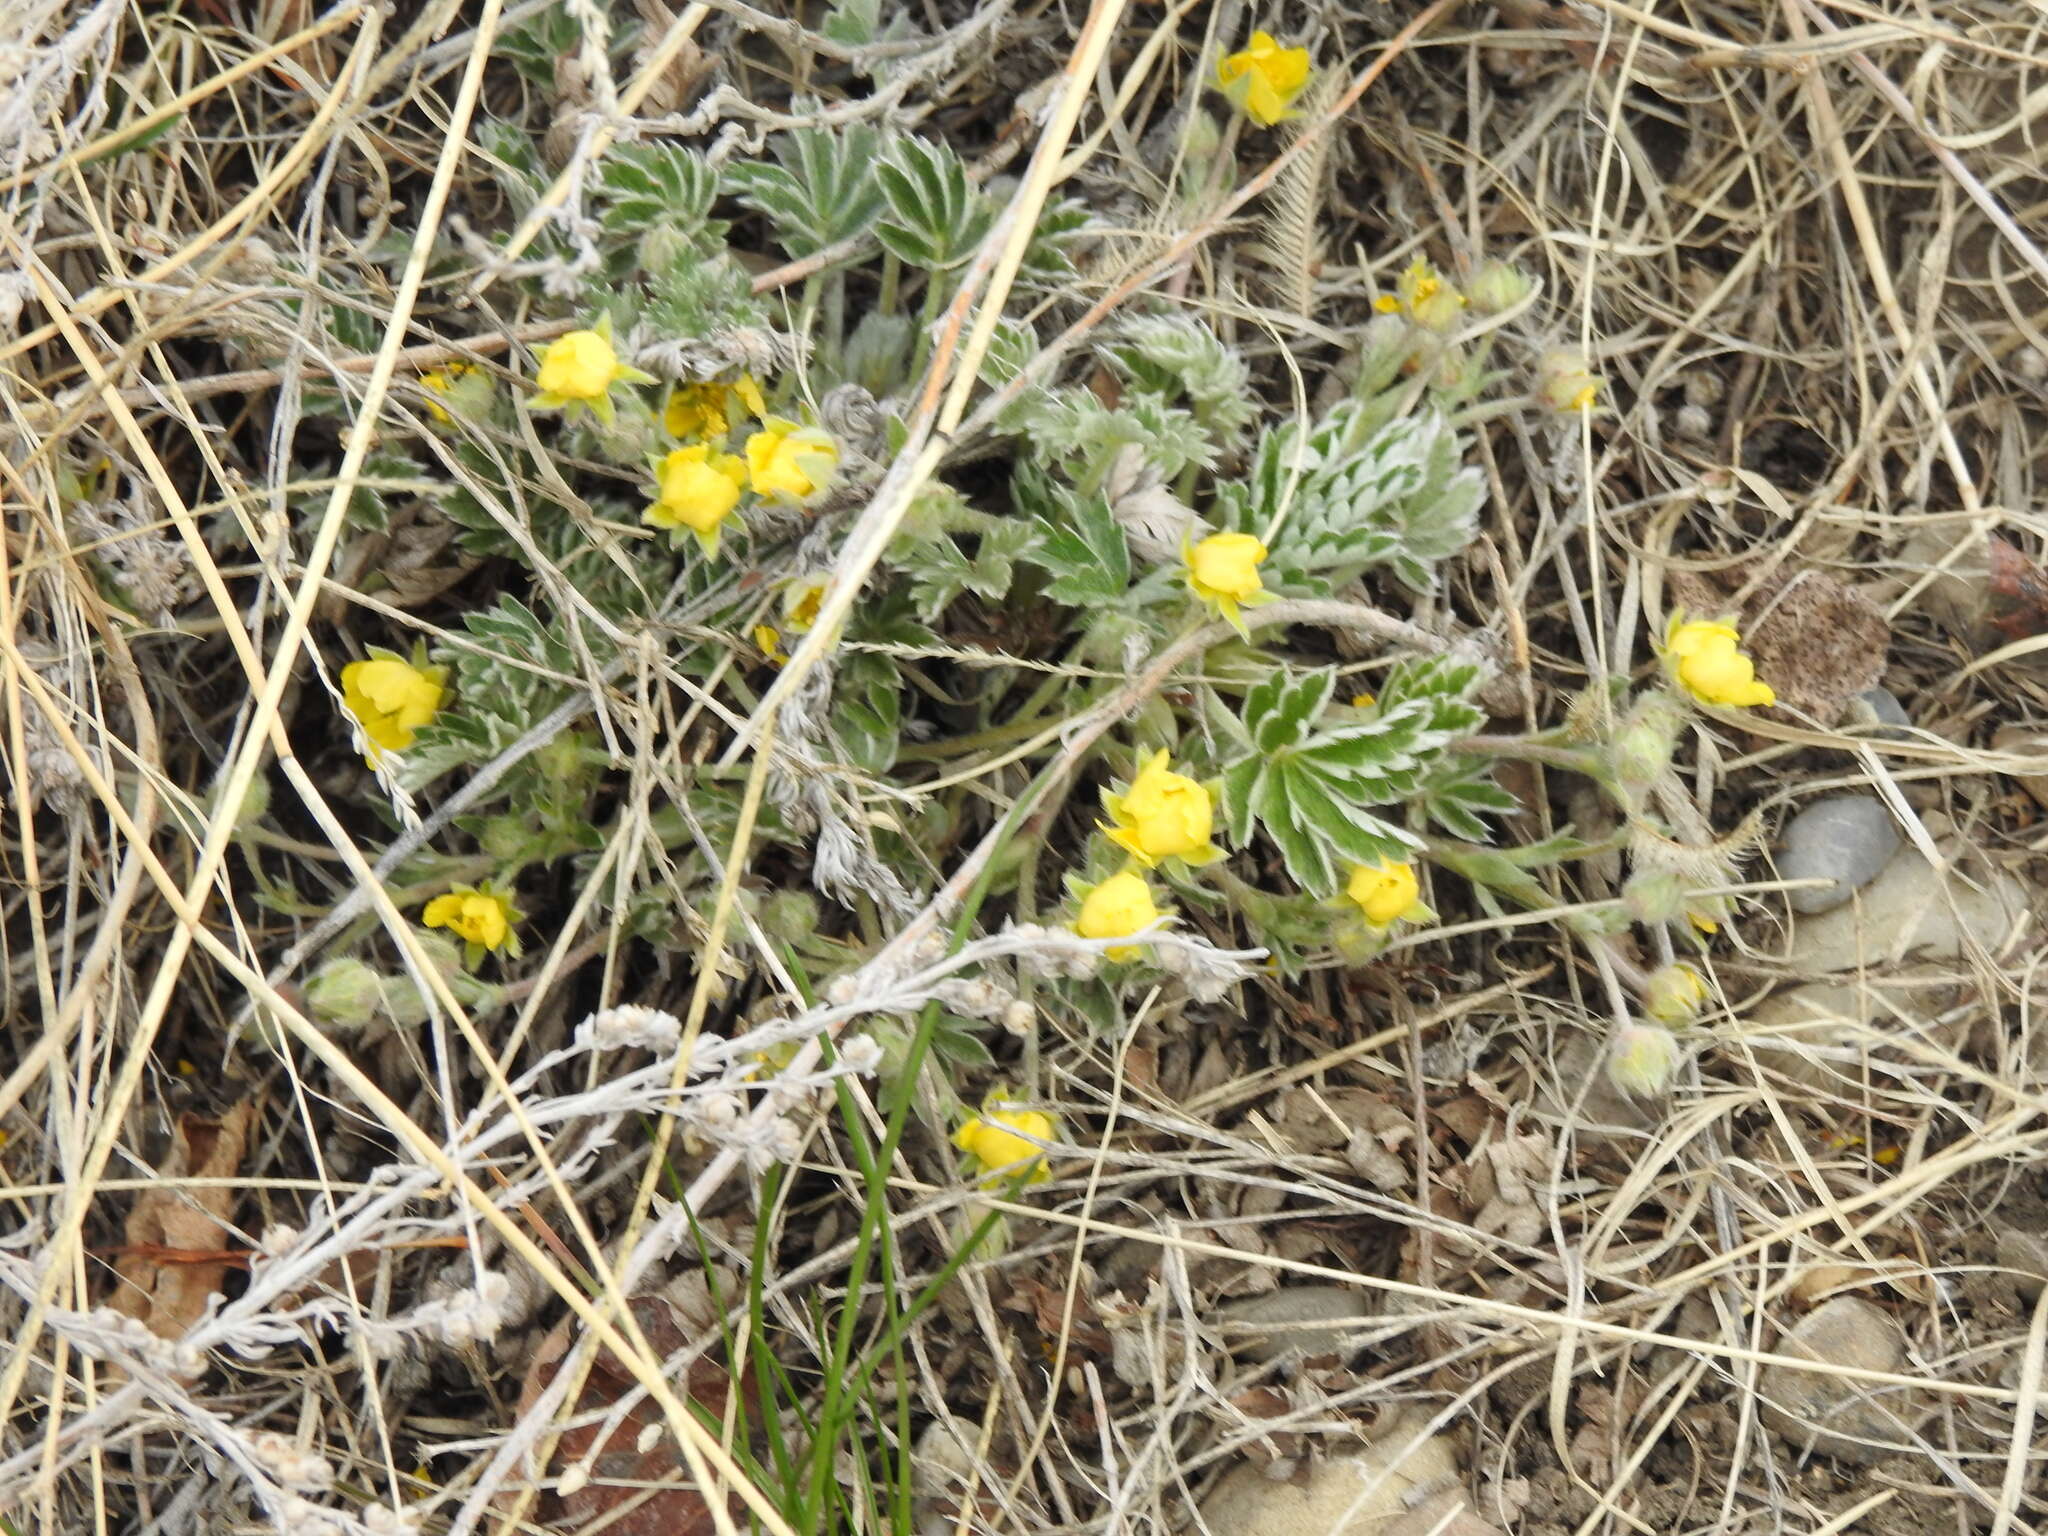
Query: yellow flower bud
{"points": [[1120, 906], [1642, 1059], [1705, 659], [481, 916], [791, 464], [1163, 815], [697, 490], [1385, 892], [1675, 993], [1005, 1143], [1263, 79], [1223, 571], [391, 699], [1564, 383], [1422, 294]]}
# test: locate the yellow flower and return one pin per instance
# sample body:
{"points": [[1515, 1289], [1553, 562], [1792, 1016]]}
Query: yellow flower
{"points": [[1386, 893], [1263, 79], [1364, 700], [1163, 815], [791, 464], [1223, 571], [705, 410], [801, 601], [1642, 1059], [769, 639], [578, 370], [1004, 1143], [391, 698], [1120, 906], [698, 490], [1706, 659], [1423, 296], [1674, 993], [481, 916]]}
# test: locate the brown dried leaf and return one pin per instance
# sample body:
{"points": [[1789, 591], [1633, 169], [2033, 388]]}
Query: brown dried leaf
{"points": [[169, 1295], [634, 1492]]}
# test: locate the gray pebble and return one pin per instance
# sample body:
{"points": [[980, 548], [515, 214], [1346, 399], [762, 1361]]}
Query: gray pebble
{"points": [[1884, 710], [1304, 1320], [1845, 838], [1834, 1415]]}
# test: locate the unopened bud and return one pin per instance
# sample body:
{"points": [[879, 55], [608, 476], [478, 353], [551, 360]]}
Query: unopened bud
{"points": [[1642, 1059], [1675, 994], [1647, 738], [345, 994], [1565, 383], [1498, 287]]}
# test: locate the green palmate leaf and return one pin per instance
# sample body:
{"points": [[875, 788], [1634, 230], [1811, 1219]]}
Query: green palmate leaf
{"points": [[867, 710], [1278, 712], [643, 185], [388, 480], [1048, 259], [533, 47], [1358, 493], [509, 155], [821, 189], [936, 216], [940, 570], [1312, 791], [1087, 556], [1460, 792], [1173, 357]]}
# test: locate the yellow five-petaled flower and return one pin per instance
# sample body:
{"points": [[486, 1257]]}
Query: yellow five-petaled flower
{"points": [[1223, 571], [1705, 657], [1006, 1143], [391, 698], [1117, 908], [1163, 815], [791, 464], [1387, 893], [697, 488], [1263, 79], [578, 371], [482, 916]]}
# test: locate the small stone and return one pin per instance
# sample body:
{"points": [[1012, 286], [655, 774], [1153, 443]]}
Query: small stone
{"points": [[1879, 710], [2026, 1255], [1296, 1320], [1443, 1514], [1847, 1331], [1354, 1495], [1909, 909], [1845, 838]]}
